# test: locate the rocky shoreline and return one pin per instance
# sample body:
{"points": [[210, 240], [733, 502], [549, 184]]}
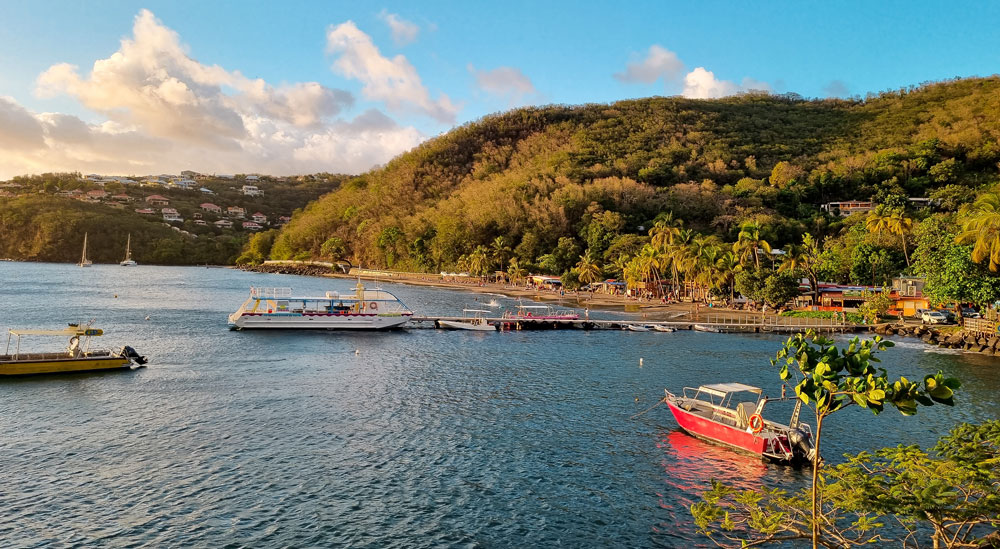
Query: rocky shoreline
{"points": [[952, 338]]}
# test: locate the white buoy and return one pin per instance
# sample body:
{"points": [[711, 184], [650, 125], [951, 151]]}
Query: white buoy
{"points": [[640, 362], [357, 352], [147, 317]]}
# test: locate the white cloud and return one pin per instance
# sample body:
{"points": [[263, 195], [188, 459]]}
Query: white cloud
{"points": [[508, 83], [403, 31], [658, 63], [19, 130], [702, 84], [167, 112], [661, 63], [392, 81]]}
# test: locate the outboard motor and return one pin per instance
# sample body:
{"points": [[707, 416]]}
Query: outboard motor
{"points": [[800, 439], [129, 352]]}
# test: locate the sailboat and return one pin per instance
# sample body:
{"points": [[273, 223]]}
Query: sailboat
{"points": [[84, 262], [128, 261]]}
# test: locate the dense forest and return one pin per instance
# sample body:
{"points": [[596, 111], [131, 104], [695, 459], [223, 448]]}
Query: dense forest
{"points": [[544, 186], [38, 222]]}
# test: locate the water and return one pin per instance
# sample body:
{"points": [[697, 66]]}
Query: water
{"points": [[416, 438]]}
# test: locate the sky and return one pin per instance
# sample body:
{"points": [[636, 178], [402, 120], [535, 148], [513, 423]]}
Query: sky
{"points": [[123, 88]]}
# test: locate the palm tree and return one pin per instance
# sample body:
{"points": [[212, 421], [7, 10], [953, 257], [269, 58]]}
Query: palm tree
{"points": [[981, 227], [804, 258], [748, 242], [900, 224], [515, 271], [589, 269], [500, 251], [665, 230], [478, 261], [728, 265], [892, 221]]}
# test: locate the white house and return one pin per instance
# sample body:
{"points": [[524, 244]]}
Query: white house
{"points": [[250, 225], [224, 224], [251, 190]]}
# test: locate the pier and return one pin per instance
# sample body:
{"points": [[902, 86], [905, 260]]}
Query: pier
{"points": [[718, 323]]}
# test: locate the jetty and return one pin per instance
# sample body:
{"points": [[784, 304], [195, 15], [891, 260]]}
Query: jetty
{"points": [[722, 323]]}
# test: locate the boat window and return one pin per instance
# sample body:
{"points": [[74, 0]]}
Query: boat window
{"points": [[282, 305]]}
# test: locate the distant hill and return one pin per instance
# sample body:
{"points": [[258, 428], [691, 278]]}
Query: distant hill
{"points": [[551, 179], [44, 218]]}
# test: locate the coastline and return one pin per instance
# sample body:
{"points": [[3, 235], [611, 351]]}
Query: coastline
{"points": [[646, 309]]}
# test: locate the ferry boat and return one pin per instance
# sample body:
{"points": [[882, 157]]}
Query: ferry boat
{"points": [[78, 357], [278, 308], [708, 413]]}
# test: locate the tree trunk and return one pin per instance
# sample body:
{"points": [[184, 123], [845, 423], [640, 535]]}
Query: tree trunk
{"points": [[905, 254], [815, 485]]}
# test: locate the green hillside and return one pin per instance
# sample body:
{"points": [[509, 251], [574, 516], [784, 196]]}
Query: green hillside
{"points": [[40, 222], [560, 182]]}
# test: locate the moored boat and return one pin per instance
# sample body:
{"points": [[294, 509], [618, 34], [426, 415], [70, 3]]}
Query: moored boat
{"points": [[128, 261], [84, 262], [706, 328], [707, 412], [477, 322], [637, 328], [540, 312], [276, 308], [662, 328], [78, 357]]}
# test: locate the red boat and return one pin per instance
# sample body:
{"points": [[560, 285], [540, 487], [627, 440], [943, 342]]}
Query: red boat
{"points": [[708, 413]]}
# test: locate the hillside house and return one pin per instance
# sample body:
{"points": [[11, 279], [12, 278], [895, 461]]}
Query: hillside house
{"points": [[206, 191], [259, 217], [847, 208], [209, 207], [251, 190], [157, 200], [96, 195], [200, 222], [236, 211], [224, 224], [251, 226], [170, 214], [122, 198], [145, 211]]}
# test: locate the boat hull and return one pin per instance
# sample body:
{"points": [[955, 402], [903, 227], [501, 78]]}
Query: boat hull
{"points": [[459, 325], [719, 433], [62, 365], [307, 321]]}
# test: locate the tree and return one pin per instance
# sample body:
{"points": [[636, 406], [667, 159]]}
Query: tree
{"points": [[780, 288], [981, 228], [588, 269], [807, 259], [833, 379], [333, 248], [387, 243], [952, 489], [479, 261], [890, 220], [875, 305], [515, 271], [748, 242], [951, 273], [500, 252]]}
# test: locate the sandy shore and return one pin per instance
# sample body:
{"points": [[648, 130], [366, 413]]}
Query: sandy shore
{"points": [[652, 310]]}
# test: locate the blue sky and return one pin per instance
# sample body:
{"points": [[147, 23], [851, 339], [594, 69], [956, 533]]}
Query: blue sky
{"points": [[299, 87]]}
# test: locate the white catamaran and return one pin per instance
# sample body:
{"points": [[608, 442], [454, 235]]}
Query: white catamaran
{"points": [[128, 261], [363, 310], [84, 262]]}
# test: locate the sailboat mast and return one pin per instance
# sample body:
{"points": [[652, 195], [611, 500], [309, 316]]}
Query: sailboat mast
{"points": [[83, 257]]}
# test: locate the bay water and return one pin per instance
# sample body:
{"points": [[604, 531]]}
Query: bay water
{"points": [[410, 438]]}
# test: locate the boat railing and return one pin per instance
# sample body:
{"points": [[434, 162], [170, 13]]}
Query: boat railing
{"points": [[270, 292]]}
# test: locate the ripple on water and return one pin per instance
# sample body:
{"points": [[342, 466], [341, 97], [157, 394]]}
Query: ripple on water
{"points": [[404, 439]]}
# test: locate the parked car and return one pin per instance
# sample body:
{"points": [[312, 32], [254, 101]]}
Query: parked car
{"points": [[933, 317], [969, 312]]}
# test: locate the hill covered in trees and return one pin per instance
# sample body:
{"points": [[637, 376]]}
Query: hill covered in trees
{"points": [[554, 189], [44, 217]]}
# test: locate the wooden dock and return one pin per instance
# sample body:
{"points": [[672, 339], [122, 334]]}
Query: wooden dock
{"points": [[711, 323]]}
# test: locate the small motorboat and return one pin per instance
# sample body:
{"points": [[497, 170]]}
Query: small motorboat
{"points": [[78, 357], [637, 328], [477, 322], [708, 412], [706, 328], [662, 328]]}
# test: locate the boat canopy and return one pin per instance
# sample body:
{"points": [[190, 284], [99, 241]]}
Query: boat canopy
{"points": [[722, 389], [71, 331], [476, 311]]}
